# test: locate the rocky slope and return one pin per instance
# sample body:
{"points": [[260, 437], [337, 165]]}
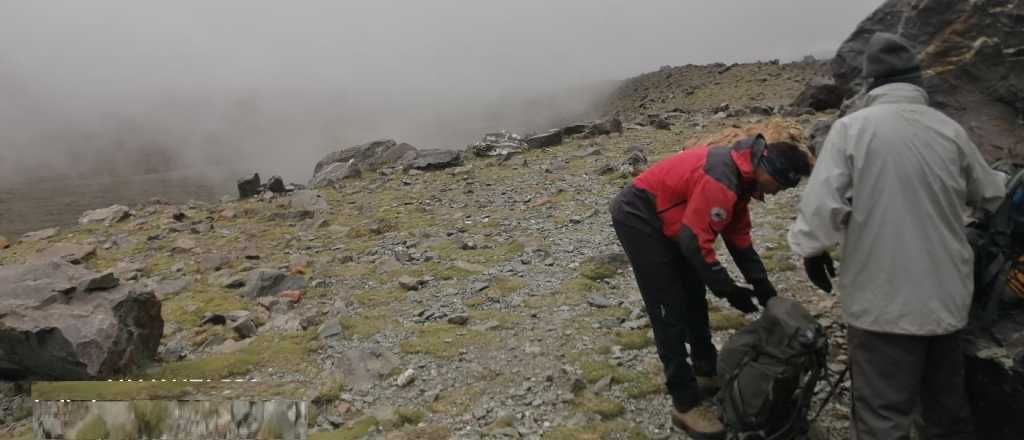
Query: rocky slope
{"points": [[484, 300], [696, 88]]}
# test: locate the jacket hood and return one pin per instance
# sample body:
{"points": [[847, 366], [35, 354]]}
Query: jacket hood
{"points": [[745, 154], [896, 93]]}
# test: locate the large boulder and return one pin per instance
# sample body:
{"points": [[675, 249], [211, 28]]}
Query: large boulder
{"points": [[551, 138], [107, 216], [267, 282], [369, 156], [59, 321], [973, 54], [249, 186], [427, 160], [995, 378], [820, 94], [604, 128], [501, 143], [334, 173]]}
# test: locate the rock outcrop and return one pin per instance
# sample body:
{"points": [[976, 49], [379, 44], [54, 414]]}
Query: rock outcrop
{"points": [[107, 216], [428, 160], [821, 94], [370, 156], [59, 321], [973, 54]]}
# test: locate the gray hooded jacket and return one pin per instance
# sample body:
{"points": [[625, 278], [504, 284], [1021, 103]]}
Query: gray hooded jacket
{"points": [[891, 185]]}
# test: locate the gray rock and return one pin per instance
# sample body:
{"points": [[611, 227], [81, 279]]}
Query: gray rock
{"points": [[69, 252], [370, 156], [406, 378], [170, 288], [276, 185], [818, 133], [972, 51], [249, 187], [40, 235], [820, 94], [604, 128], [363, 368], [551, 138], [244, 328], [600, 302], [574, 129], [335, 173], [633, 165], [498, 144], [330, 330], [103, 281], [410, 283], [995, 376], [460, 319], [307, 200], [428, 160], [107, 216], [213, 262], [49, 328], [267, 282], [588, 152]]}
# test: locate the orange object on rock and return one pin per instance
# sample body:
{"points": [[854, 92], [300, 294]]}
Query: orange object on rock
{"points": [[291, 295]]}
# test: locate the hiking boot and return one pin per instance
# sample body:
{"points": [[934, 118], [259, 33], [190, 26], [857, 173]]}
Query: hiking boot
{"points": [[699, 423], [708, 386]]}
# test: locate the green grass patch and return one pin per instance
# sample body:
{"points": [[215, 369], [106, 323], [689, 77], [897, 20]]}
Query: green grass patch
{"points": [[727, 320], [187, 308], [633, 339], [364, 326], [503, 285], [410, 416], [358, 429], [602, 406], [643, 384], [285, 352], [594, 371], [445, 340]]}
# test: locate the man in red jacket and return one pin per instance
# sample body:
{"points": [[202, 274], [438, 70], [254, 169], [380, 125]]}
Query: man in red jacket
{"points": [[667, 222]]}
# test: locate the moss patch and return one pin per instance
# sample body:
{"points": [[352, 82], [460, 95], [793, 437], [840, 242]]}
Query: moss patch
{"points": [[187, 309], [97, 390], [288, 352], [445, 341], [602, 406], [379, 297], [727, 320], [358, 429], [633, 340], [363, 326]]}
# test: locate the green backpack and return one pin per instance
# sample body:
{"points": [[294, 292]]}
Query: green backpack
{"points": [[771, 369], [998, 245]]}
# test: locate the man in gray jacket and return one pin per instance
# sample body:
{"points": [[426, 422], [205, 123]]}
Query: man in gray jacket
{"points": [[890, 185]]}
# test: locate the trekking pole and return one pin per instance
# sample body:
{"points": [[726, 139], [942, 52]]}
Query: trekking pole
{"points": [[832, 392]]}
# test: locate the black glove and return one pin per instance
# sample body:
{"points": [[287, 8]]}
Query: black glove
{"points": [[820, 269], [763, 291], [741, 298]]}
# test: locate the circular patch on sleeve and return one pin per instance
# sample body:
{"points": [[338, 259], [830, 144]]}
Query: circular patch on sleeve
{"points": [[717, 214]]}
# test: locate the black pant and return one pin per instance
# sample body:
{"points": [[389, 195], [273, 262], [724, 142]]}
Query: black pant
{"points": [[893, 375], [673, 294]]}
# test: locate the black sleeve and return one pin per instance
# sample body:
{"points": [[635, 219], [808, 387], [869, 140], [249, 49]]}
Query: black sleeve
{"points": [[749, 263], [715, 276]]}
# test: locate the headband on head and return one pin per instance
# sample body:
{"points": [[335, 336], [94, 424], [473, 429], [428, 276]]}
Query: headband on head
{"points": [[780, 170]]}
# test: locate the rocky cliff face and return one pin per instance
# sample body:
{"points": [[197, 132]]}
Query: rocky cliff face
{"points": [[973, 53]]}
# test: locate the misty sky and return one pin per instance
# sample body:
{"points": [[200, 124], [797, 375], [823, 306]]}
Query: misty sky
{"points": [[271, 85]]}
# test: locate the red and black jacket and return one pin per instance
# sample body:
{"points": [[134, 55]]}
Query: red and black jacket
{"points": [[704, 192]]}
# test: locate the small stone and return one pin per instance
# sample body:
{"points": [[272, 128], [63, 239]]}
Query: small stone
{"points": [[329, 330], [407, 378], [410, 283], [244, 328], [460, 319], [600, 302], [4, 244], [183, 245], [602, 385], [104, 281]]}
